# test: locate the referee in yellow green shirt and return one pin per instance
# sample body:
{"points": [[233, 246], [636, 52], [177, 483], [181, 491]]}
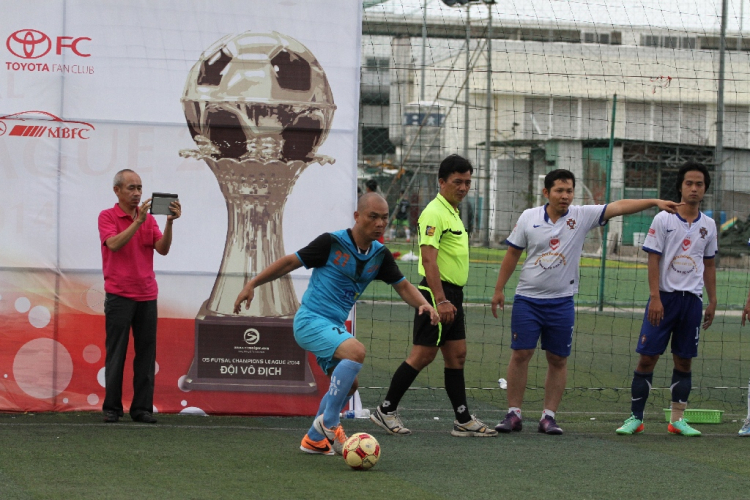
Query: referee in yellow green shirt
{"points": [[444, 265]]}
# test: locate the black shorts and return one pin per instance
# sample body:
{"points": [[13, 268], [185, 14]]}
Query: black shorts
{"points": [[436, 336]]}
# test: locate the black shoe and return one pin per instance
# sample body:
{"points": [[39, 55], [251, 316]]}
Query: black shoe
{"points": [[547, 425], [144, 418], [511, 423], [111, 417]]}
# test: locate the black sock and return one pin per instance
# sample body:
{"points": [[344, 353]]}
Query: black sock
{"points": [[400, 383], [639, 390], [456, 389], [682, 383]]}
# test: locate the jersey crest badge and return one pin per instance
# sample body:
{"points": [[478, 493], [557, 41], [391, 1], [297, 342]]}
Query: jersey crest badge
{"points": [[571, 223], [686, 244], [652, 231], [554, 243], [703, 232], [430, 231]]}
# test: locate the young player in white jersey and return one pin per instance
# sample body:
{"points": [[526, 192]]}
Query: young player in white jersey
{"points": [[681, 248], [553, 237]]}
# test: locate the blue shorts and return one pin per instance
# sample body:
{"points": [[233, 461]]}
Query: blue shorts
{"points": [[319, 336], [683, 313], [550, 319]]}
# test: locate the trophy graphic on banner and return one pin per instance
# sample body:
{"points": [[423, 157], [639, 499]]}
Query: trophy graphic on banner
{"points": [[258, 106]]}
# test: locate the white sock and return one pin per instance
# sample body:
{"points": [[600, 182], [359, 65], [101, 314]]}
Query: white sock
{"points": [[748, 400], [408, 234], [548, 412], [515, 410]]}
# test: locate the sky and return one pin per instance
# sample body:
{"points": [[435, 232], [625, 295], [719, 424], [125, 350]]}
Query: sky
{"points": [[703, 15]]}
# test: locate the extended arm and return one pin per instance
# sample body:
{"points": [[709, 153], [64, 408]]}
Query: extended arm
{"points": [[709, 280], [626, 207], [411, 296], [281, 267], [510, 261], [655, 307], [432, 274]]}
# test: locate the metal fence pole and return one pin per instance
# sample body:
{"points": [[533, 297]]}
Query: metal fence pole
{"points": [[607, 195]]}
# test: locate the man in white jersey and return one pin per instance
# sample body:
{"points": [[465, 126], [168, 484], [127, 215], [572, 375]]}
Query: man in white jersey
{"points": [[681, 248], [745, 429], [553, 237]]}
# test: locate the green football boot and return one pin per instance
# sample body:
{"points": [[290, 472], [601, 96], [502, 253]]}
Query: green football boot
{"points": [[745, 430], [681, 427], [631, 426]]}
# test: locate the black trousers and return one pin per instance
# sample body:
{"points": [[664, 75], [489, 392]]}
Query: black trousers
{"points": [[120, 315]]}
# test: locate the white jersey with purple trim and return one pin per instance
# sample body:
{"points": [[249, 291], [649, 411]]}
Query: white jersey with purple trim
{"points": [[553, 251], [682, 247]]}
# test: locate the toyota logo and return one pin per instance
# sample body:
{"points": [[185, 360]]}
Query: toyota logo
{"points": [[29, 44], [252, 336]]}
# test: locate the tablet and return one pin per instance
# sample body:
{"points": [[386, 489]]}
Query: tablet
{"points": [[160, 203]]}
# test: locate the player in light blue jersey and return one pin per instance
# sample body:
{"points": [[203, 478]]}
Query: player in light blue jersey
{"points": [[344, 263]]}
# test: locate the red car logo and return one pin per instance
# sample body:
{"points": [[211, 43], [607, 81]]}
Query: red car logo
{"points": [[29, 44], [46, 125]]}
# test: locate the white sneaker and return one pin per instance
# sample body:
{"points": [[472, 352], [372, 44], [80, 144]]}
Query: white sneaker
{"points": [[390, 422], [472, 428], [336, 436], [745, 431]]}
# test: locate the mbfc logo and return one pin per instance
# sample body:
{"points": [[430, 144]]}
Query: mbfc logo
{"points": [[43, 124], [33, 44]]}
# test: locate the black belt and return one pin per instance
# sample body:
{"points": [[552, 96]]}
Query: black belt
{"points": [[446, 285]]}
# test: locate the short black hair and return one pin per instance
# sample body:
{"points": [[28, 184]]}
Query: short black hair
{"points": [[454, 164], [559, 174], [688, 167], [371, 184]]}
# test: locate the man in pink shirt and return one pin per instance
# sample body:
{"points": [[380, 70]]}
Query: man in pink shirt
{"points": [[129, 235]]}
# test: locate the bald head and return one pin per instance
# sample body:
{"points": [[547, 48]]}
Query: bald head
{"points": [[370, 219], [367, 200]]}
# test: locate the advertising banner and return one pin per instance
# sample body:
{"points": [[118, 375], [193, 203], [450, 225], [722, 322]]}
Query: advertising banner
{"points": [[247, 110]]}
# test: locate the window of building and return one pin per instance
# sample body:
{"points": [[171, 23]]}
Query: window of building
{"points": [[377, 63], [565, 118], [594, 119], [536, 117], [693, 124], [687, 42], [736, 126], [535, 35], [638, 121], [650, 40], [375, 141], [670, 42], [666, 122]]}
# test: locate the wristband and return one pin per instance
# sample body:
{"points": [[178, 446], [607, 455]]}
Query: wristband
{"points": [[444, 302]]}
